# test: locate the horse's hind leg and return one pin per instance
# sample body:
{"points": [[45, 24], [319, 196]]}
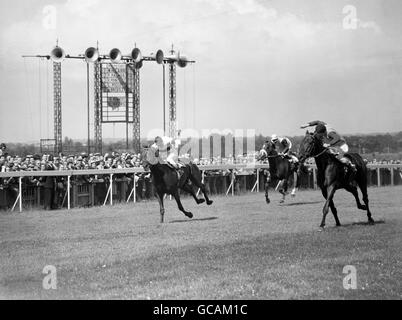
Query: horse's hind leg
{"points": [[353, 190], [296, 184], [198, 183], [177, 198], [363, 188], [190, 190]]}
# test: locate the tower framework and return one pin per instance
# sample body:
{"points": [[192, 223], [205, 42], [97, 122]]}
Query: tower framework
{"points": [[97, 108], [57, 107], [137, 109], [172, 100]]}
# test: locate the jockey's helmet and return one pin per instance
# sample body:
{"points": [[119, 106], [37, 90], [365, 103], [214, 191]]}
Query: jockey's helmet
{"points": [[320, 129], [274, 138]]}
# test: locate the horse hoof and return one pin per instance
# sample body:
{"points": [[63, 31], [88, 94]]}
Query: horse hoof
{"points": [[189, 215], [282, 201], [293, 195], [210, 202], [371, 221], [268, 201], [199, 201]]}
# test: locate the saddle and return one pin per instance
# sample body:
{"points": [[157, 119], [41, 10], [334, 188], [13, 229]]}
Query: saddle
{"points": [[348, 174], [179, 171]]}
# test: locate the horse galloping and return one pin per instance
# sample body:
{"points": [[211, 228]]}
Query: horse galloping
{"points": [[331, 175], [279, 168], [168, 180]]}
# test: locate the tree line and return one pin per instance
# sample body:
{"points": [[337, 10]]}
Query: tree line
{"points": [[375, 144]]}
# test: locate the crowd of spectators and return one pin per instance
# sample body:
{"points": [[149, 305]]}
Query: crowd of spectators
{"points": [[83, 161], [375, 161], [53, 189]]}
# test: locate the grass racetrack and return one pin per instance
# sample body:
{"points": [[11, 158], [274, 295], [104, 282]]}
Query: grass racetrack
{"points": [[238, 248]]}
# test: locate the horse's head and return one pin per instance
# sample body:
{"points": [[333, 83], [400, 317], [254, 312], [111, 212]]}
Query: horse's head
{"points": [[268, 149], [309, 146]]}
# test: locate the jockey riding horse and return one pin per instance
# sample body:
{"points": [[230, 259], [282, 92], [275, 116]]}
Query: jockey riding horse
{"points": [[336, 169], [282, 165], [335, 144], [168, 177]]}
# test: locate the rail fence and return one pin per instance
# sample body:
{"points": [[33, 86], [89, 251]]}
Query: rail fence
{"points": [[80, 188]]}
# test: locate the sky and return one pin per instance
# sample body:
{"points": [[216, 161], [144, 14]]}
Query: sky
{"points": [[263, 65]]}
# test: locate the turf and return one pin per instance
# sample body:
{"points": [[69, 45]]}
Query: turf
{"points": [[238, 248]]}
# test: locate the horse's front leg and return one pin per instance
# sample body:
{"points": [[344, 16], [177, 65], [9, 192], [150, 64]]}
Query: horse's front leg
{"points": [[160, 195], [330, 195], [266, 186], [283, 189]]}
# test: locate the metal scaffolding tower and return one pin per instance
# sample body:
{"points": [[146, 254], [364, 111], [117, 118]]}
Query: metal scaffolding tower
{"points": [[97, 108], [57, 106], [172, 99], [136, 116]]}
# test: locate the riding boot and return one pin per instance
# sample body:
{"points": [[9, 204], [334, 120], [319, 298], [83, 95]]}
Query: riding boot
{"points": [[352, 174]]}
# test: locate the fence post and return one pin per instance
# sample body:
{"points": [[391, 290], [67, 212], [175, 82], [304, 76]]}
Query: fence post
{"points": [[258, 180], [111, 189], [68, 192], [392, 176], [233, 183], [20, 190], [135, 190], [378, 177]]}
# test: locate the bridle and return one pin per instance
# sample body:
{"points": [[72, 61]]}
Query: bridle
{"points": [[320, 153], [266, 156]]}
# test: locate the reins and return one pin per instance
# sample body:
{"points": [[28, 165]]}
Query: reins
{"points": [[322, 152]]}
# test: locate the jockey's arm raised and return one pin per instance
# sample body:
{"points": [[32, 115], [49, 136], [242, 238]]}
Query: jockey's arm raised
{"points": [[312, 124]]}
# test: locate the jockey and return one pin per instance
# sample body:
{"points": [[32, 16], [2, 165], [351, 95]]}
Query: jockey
{"points": [[332, 140], [283, 145], [166, 149]]}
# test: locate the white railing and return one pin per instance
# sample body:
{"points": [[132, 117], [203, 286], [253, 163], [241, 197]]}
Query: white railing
{"points": [[135, 171]]}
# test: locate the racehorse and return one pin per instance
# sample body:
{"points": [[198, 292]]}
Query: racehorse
{"points": [[331, 175], [279, 168], [168, 180]]}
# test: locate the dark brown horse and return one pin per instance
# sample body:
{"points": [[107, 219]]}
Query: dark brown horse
{"points": [[331, 175], [168, 180], [280, 168]]}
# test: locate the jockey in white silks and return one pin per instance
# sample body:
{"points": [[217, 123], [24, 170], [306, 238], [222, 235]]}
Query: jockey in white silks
{"points": [[166, 150], [283, 146]]}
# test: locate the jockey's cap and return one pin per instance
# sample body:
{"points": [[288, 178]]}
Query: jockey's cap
{"points": [[274, 138], [320, 128]]}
